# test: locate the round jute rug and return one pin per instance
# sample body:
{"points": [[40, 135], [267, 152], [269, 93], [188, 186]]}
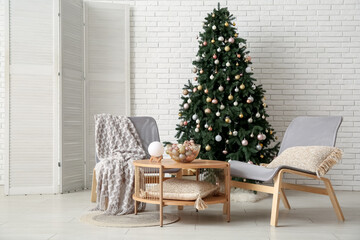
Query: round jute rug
{"points": [[142, 219]]}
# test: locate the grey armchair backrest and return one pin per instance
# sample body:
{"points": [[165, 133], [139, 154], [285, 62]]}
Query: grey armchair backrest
{"points": [[148, 132], [311, 131]]}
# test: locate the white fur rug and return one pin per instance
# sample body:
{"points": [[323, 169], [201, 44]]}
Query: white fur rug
{"points": [[242, 195]]}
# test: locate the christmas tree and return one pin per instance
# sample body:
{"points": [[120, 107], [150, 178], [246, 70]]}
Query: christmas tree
{"points": [[223, 109]]}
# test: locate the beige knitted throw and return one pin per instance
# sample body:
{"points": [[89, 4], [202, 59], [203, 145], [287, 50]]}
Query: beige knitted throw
{"points": [[117, 145]]}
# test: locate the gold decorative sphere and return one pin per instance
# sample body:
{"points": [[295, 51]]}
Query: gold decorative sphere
{"points": [[227, 48], [213, 15], [230, 133], [271, 132], [207, 148], [227, 120], [237, 77], [212, 41], [236, 35], [262, 156], [234, 24], [230, 97], [199, 87], [207, 110], [180, 114], [264, 104], [242, 86], [185, 92], [208, 99], [241, 115], [226, 24], [237, 64]]}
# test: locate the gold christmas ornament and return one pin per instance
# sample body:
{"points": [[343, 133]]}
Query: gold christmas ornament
{"points": [[227, 120], [227, 48], [234, 24], [242, 86], [208, 99], [237, 64], [271, 132], [207, 148], [237, 77], [230, 97], [199, 87], [264, 104], [185, 92], [207, 110], [181, 115], [226, 24], [213, 15], [212, 41], [262, 156], [236, 35], [230, 133], [241, 115]]}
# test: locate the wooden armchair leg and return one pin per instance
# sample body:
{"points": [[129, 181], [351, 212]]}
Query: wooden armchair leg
{"points": [[284, 199], [276, 200], [93, 187], [333, 199]]}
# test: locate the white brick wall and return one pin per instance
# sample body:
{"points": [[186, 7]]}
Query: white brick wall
{"points": [[305, 53], [2, 90]]}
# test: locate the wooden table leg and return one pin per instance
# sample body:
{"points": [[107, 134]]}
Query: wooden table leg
{"points": [[136, 207], [161, 173], [227, 190]]}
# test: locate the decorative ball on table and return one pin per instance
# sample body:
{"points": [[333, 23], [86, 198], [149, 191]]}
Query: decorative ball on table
{"points": [[156, 151]]}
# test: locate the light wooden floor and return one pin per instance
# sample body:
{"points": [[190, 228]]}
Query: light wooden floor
{"points": [[57, 217]]}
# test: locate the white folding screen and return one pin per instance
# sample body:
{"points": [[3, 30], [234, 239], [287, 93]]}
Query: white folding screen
{"points": [[107, 68], [72, 92], [31, 106], [54, 87]]}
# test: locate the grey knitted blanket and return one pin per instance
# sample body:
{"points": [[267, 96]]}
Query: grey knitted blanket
{"points": [[117, 145]]}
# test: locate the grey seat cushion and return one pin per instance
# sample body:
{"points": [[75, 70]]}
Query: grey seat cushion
{"points": [[258, 173]]}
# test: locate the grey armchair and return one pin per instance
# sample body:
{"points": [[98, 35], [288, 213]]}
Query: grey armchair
{"points": [[302, 131], [148, 132]]}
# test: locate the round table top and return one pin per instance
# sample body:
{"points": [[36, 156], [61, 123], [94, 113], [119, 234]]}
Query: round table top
{"points": [[169, 163]]}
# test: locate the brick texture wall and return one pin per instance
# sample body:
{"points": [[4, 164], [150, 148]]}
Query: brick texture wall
{"points": [[305, 53]]}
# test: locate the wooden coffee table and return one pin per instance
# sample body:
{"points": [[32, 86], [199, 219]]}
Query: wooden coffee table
{"points": [[147, 173]]}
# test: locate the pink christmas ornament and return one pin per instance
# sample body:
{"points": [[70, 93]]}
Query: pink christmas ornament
{"points": [[231, 40], [244, 142]]}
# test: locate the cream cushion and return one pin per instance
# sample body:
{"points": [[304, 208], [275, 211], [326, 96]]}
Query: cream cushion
{"points": [[317, 159], [183, 189]]}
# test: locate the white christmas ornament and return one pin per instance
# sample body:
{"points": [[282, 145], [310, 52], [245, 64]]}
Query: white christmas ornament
{"points": [[228, 64], [197, 130], [221, 88], [203, 55], [258, 147], [197, 59], [222, 107], [253, 86], [186, 106], [252, 135], [260, 136], [194, 70], [250, 120], [249, 69], [257, 115], [221, 38], [241, 45], [218, 113], [244, 142], [236, 89], [218, 49], [211, 77], [231, 40], [263, 116], [235, 133], [189, 101], [156, 149], [197, 120], [216, 61], [263, 137], [236, 103], [218, 138], [194, 117], [214, 27], [206, 125]]}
